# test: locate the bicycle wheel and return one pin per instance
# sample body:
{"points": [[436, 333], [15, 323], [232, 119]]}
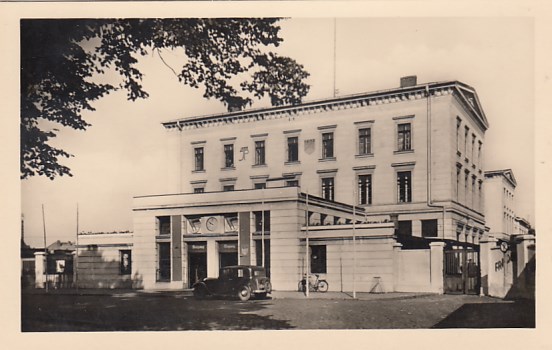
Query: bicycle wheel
{"points": [[322, 286]]}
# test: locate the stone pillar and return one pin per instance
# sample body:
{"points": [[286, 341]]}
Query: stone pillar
{"points": [[485, 263], [523, 257], [396, 265], [40, 269], [212, 259], [436, 267], [417, 228]]}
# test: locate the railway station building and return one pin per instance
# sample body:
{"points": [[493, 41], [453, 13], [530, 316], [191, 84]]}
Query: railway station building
{"points": [[379, 184]]}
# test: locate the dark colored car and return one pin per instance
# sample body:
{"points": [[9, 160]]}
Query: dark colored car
{"points": [[241, 281]]}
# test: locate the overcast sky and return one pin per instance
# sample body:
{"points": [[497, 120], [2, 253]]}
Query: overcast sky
{"points": [[123, 153]]}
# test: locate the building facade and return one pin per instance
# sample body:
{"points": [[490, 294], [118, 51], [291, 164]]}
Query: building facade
{"points": [[406, 163], [500, 214]]}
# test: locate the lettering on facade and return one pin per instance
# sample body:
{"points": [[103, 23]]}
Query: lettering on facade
{"points": [[244, 151], [309, 146]]}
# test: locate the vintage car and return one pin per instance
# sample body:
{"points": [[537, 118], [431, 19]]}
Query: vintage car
{"points": [[241, 281]]}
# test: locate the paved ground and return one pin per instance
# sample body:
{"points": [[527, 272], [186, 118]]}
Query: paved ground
{"points": [[97, 310]]}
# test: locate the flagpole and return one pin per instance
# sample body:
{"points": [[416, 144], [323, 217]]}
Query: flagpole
{"points": [[307, 260], [262, 229], [354, 239], [77, 253], [45, 249]]}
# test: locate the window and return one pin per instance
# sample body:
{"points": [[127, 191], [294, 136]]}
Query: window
{"points": [[198, 156], [318, 259], [164, 225], [260, 185], [125, 261], [480, 145], [429, 228], [404, 141], [404, 187], [458, 124], [364, 141], [365, 189], [163, 262], [480, 195], [466, 133], [466, 189], [199, 190], [227, 188], [473, 148], [327, 145], [404, 228], [293, 149], [259, 152], [473, 189], [229, 156], [458, 177], [259, 220], [328, 188], [292, 183]]}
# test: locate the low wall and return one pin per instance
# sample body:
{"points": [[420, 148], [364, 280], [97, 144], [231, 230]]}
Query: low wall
{"points": [[419, 270]]}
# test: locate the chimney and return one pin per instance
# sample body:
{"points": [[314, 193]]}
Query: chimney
{"points": [[408, 81]]}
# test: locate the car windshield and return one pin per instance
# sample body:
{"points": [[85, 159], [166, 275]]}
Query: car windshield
{"points": [[259, 273]]}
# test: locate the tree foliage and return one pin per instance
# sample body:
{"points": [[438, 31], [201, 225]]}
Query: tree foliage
{"points": [[60, 58]]}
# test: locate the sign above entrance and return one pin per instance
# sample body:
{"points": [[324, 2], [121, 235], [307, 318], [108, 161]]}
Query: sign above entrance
{"points": [[197, 247]]}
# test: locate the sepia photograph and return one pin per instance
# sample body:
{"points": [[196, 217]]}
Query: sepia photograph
{"points": [[276, 172]]}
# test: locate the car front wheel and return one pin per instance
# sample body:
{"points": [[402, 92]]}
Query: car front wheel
{"points": [[245, 293]]}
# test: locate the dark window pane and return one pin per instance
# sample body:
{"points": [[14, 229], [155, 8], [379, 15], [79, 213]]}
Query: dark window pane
{"points": [[164, 223], [228, 156], [259, 152], [365, 189], [199, 163], [293, 149], [199, 190], [228, 188], [405, 228], [327, 145], [318, 259], [364, 141], [429, 228], [404, 187], [328, 188], [404, 142], [126, 262]]}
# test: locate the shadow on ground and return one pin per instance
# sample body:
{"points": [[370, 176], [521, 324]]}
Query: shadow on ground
{"points": [[514, 314], [52, 313]]}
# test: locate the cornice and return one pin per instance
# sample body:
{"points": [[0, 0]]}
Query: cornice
{"points": [[314, 107]]}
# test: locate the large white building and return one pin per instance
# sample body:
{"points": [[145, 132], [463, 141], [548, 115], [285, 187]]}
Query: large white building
{"points": [[404, 165]]}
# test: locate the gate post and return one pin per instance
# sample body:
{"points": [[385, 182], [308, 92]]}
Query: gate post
{"points": [[40, 269], [437, 266], [485, 245], [396, 265]]}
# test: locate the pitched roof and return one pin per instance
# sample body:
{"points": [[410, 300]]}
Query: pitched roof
{"points": [[508, 174]]}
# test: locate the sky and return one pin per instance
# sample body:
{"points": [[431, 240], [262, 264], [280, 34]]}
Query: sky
{"points": [[123, 153]]}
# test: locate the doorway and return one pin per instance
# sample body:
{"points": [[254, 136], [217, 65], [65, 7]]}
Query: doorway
{"points": [[228, 253], [197, 263]]}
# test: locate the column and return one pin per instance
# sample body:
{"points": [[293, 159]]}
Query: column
{"points": [[40, 269], [212, 258], [437, 265]]}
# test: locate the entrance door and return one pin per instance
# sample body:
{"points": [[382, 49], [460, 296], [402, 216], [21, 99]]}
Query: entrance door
{"points": [[462, 271], [197, 263], [228, 253]]}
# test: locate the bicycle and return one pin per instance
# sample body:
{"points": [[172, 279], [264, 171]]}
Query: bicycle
{"points": [[315, 284]]}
